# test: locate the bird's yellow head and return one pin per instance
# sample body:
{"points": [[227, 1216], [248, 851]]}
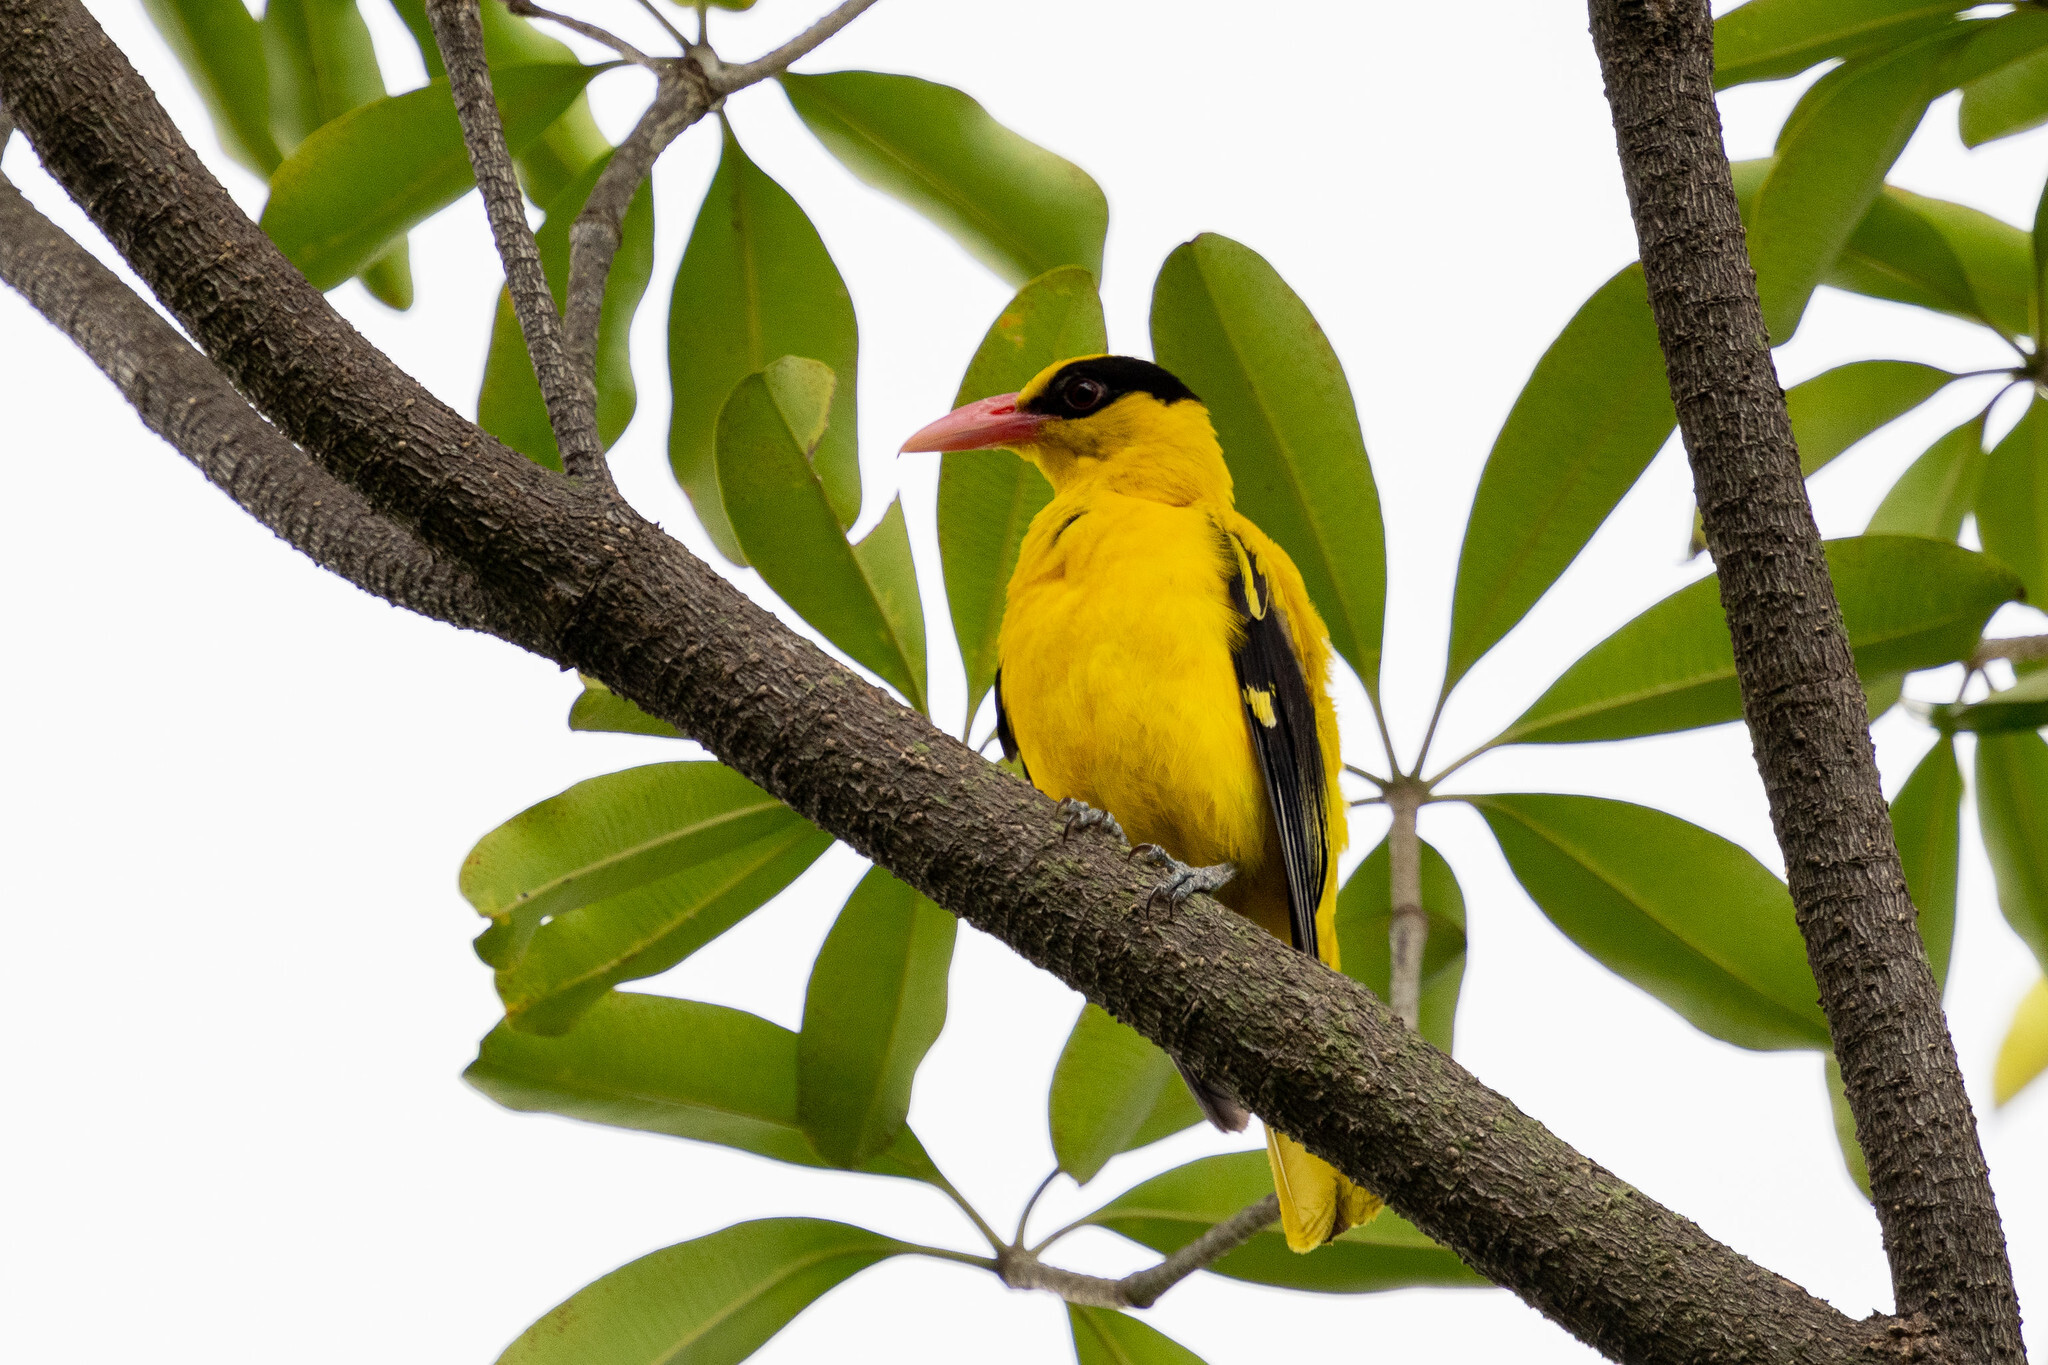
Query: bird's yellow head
{"points": [[1108, 421]]}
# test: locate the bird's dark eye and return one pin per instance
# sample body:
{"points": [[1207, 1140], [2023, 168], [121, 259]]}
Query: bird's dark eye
{"points": [[1082, 394]]}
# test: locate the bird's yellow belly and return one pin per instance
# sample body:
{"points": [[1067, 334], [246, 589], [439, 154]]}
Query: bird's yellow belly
{"points": [[1118, 683]]}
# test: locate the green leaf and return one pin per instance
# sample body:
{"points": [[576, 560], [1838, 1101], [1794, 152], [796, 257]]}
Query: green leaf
{"points": [[680, 1067], [2012, 501], [1112, 1092], [1832, 158], [1768, 40], [597, 707], [1103, 1336], [622, 877], [1172, 1209], [1017, 208], [1939, 255], [711, 1301], [2023, 706], [321, 62], [862, 598], [2006, 91], [1837, 408], [1933, 495], [1845, 1127], [375, 172], [2039, 241], [1595, 411], [2024, 1053], [509, 406], [1688, 916], [2012, 813], [987, 498], [1227, 324], [875, 1005], [1365, 914], [221, 48], [755, 283], [1927, 821], [1908, 602]]}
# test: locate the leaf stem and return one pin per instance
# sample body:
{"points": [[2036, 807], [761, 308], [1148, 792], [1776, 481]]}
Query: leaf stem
{"points": [[1408, 927], [1032, 1203]]}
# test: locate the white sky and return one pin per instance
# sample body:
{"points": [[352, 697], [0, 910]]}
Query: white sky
{"points": [[239, 789]]}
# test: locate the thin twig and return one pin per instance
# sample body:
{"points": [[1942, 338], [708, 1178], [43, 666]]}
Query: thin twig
{"points": [[1022, 1269], [526, 9], [2019, 649], [726, 79], [973, 1215], [681, 42], [681, 97], [1408, 927], [571, 402], [1370, 776]]}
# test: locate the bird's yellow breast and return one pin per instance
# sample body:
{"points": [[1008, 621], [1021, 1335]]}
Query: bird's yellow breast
{"points": [[1117, 676]]}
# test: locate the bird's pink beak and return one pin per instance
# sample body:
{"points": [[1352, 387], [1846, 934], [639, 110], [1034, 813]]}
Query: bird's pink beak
{"points": [[991, 422]]}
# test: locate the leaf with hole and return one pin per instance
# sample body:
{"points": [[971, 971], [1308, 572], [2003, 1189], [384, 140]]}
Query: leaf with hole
{"points": [[988, 497], [1226, 323], [755, 284], [863, 598], [1689, 917], [221, 49], [711, 1301], [1908, 602], [1595, 411], [1170, 1210], [1365, 914], [875, 1005], [510, 406], [1113, 1091], [354, 185], [1016, 207], [679, 1067]]}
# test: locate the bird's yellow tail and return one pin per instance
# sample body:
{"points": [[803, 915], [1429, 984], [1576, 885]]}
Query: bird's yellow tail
{"points": [[1316, 1202]]}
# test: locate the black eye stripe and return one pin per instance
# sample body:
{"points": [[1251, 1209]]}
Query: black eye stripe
{"points": [[1087, 386]]}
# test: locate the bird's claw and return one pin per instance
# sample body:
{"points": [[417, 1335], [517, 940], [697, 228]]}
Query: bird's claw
{"points": [[1081, 815], [1181, 881]]}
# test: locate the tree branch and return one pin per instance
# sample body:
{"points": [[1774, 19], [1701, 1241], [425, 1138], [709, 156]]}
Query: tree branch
{"points": [[1021, 1269], [181, 397], [2019, 649], [681, 97], [726, 79], [570, 393], [576, 576], [1408, 927], [526, 9], [1806, 712]]}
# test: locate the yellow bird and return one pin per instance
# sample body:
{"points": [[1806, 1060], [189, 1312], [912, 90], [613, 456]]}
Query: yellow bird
{"points": [[1163, 672]]}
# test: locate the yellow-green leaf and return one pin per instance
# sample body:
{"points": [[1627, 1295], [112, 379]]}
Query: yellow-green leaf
{"points": [[2006, 90], [1112, 1092], [2012, 814], [1927, 822], [599, 708], [2023, 1055], [1768, 40], [1845, 1127], [875, 1005], [1226, 323], [863, 599], [2012, 501], [755, 283], [1103, 1336], [1018, 209], [1681, 912], [1938, 490], [711, 1301], [987, 498], [221, 48], [679, 1067]]}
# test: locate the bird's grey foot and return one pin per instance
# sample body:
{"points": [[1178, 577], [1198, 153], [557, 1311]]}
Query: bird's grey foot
{"points": [[1182, 881], [1081, 815]]}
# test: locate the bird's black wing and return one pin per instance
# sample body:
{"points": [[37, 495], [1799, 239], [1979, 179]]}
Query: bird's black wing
{"points": [[1282, 718], [1004, 733]]}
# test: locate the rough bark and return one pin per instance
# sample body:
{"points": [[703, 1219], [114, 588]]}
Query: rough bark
{"points": [[576, 576], [1805, 709], [181, 397]]}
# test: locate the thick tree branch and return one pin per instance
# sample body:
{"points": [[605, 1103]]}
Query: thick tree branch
{"points": [[570, 393], [1806, 712], [181, 397], [576, 576]]}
